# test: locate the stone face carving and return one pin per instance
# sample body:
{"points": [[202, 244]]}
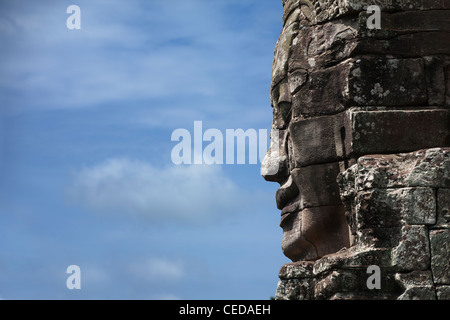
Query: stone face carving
{"points": [[364, 160], [392, 203]]}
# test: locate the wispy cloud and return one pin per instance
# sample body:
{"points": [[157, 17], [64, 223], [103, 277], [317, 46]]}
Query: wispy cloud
{"points": [[141, 51], [158, 269], [174, 193]]}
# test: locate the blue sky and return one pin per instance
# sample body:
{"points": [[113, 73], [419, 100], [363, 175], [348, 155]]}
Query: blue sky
{"points": [[86, 176]]}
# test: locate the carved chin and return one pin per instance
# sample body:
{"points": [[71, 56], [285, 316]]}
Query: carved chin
{"points": [[314, 232], [294, 245]]}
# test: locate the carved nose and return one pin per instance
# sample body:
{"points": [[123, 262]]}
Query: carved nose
{"points": [[284, 94], [274, 166]]}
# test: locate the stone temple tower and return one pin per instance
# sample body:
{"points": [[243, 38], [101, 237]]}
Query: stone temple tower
{"points": [[361, 100]]}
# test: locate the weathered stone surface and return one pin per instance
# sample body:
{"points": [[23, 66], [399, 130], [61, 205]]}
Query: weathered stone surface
{"points": [[422, 44], [317, 184], [447, 84], [379, 81], [404, 22], [440, 255], [354, 257], [297, 270], [326, 10], [354, 281], [317, 140], [385, 131], [379, 237], [297, 79], [373, 295], [422, 168], [435, 77], [384, 208], [363, 80], [417, 285], [443, 208], [324, 92], [402, 248], [408, 34], [295, 289], [413, 251], [443, 292], [318, 11], [324, 45], [405, 33], [372, 107], [282, 51]]}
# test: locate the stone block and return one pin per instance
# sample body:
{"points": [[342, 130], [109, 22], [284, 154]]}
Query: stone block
{"points": [[324, 45], [352, 281], [422, 168], [317, 184], [297, 270], [413, 251], [379, 237], [416, 285], [435, 77], [408, 45], [399, 23], [353, 258], [370, 295], [325, 10], [443, 208], [363, 80], [440, 255], [325, 92], [317, 140], [381, 81], [447, 84], [384, 208], [443, 292], [295, 289], [392, 131], [405, 33]]}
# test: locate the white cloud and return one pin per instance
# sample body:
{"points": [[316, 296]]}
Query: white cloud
{"points": [[158, 269], [197, 193], [95, 275], [137, 50]]}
